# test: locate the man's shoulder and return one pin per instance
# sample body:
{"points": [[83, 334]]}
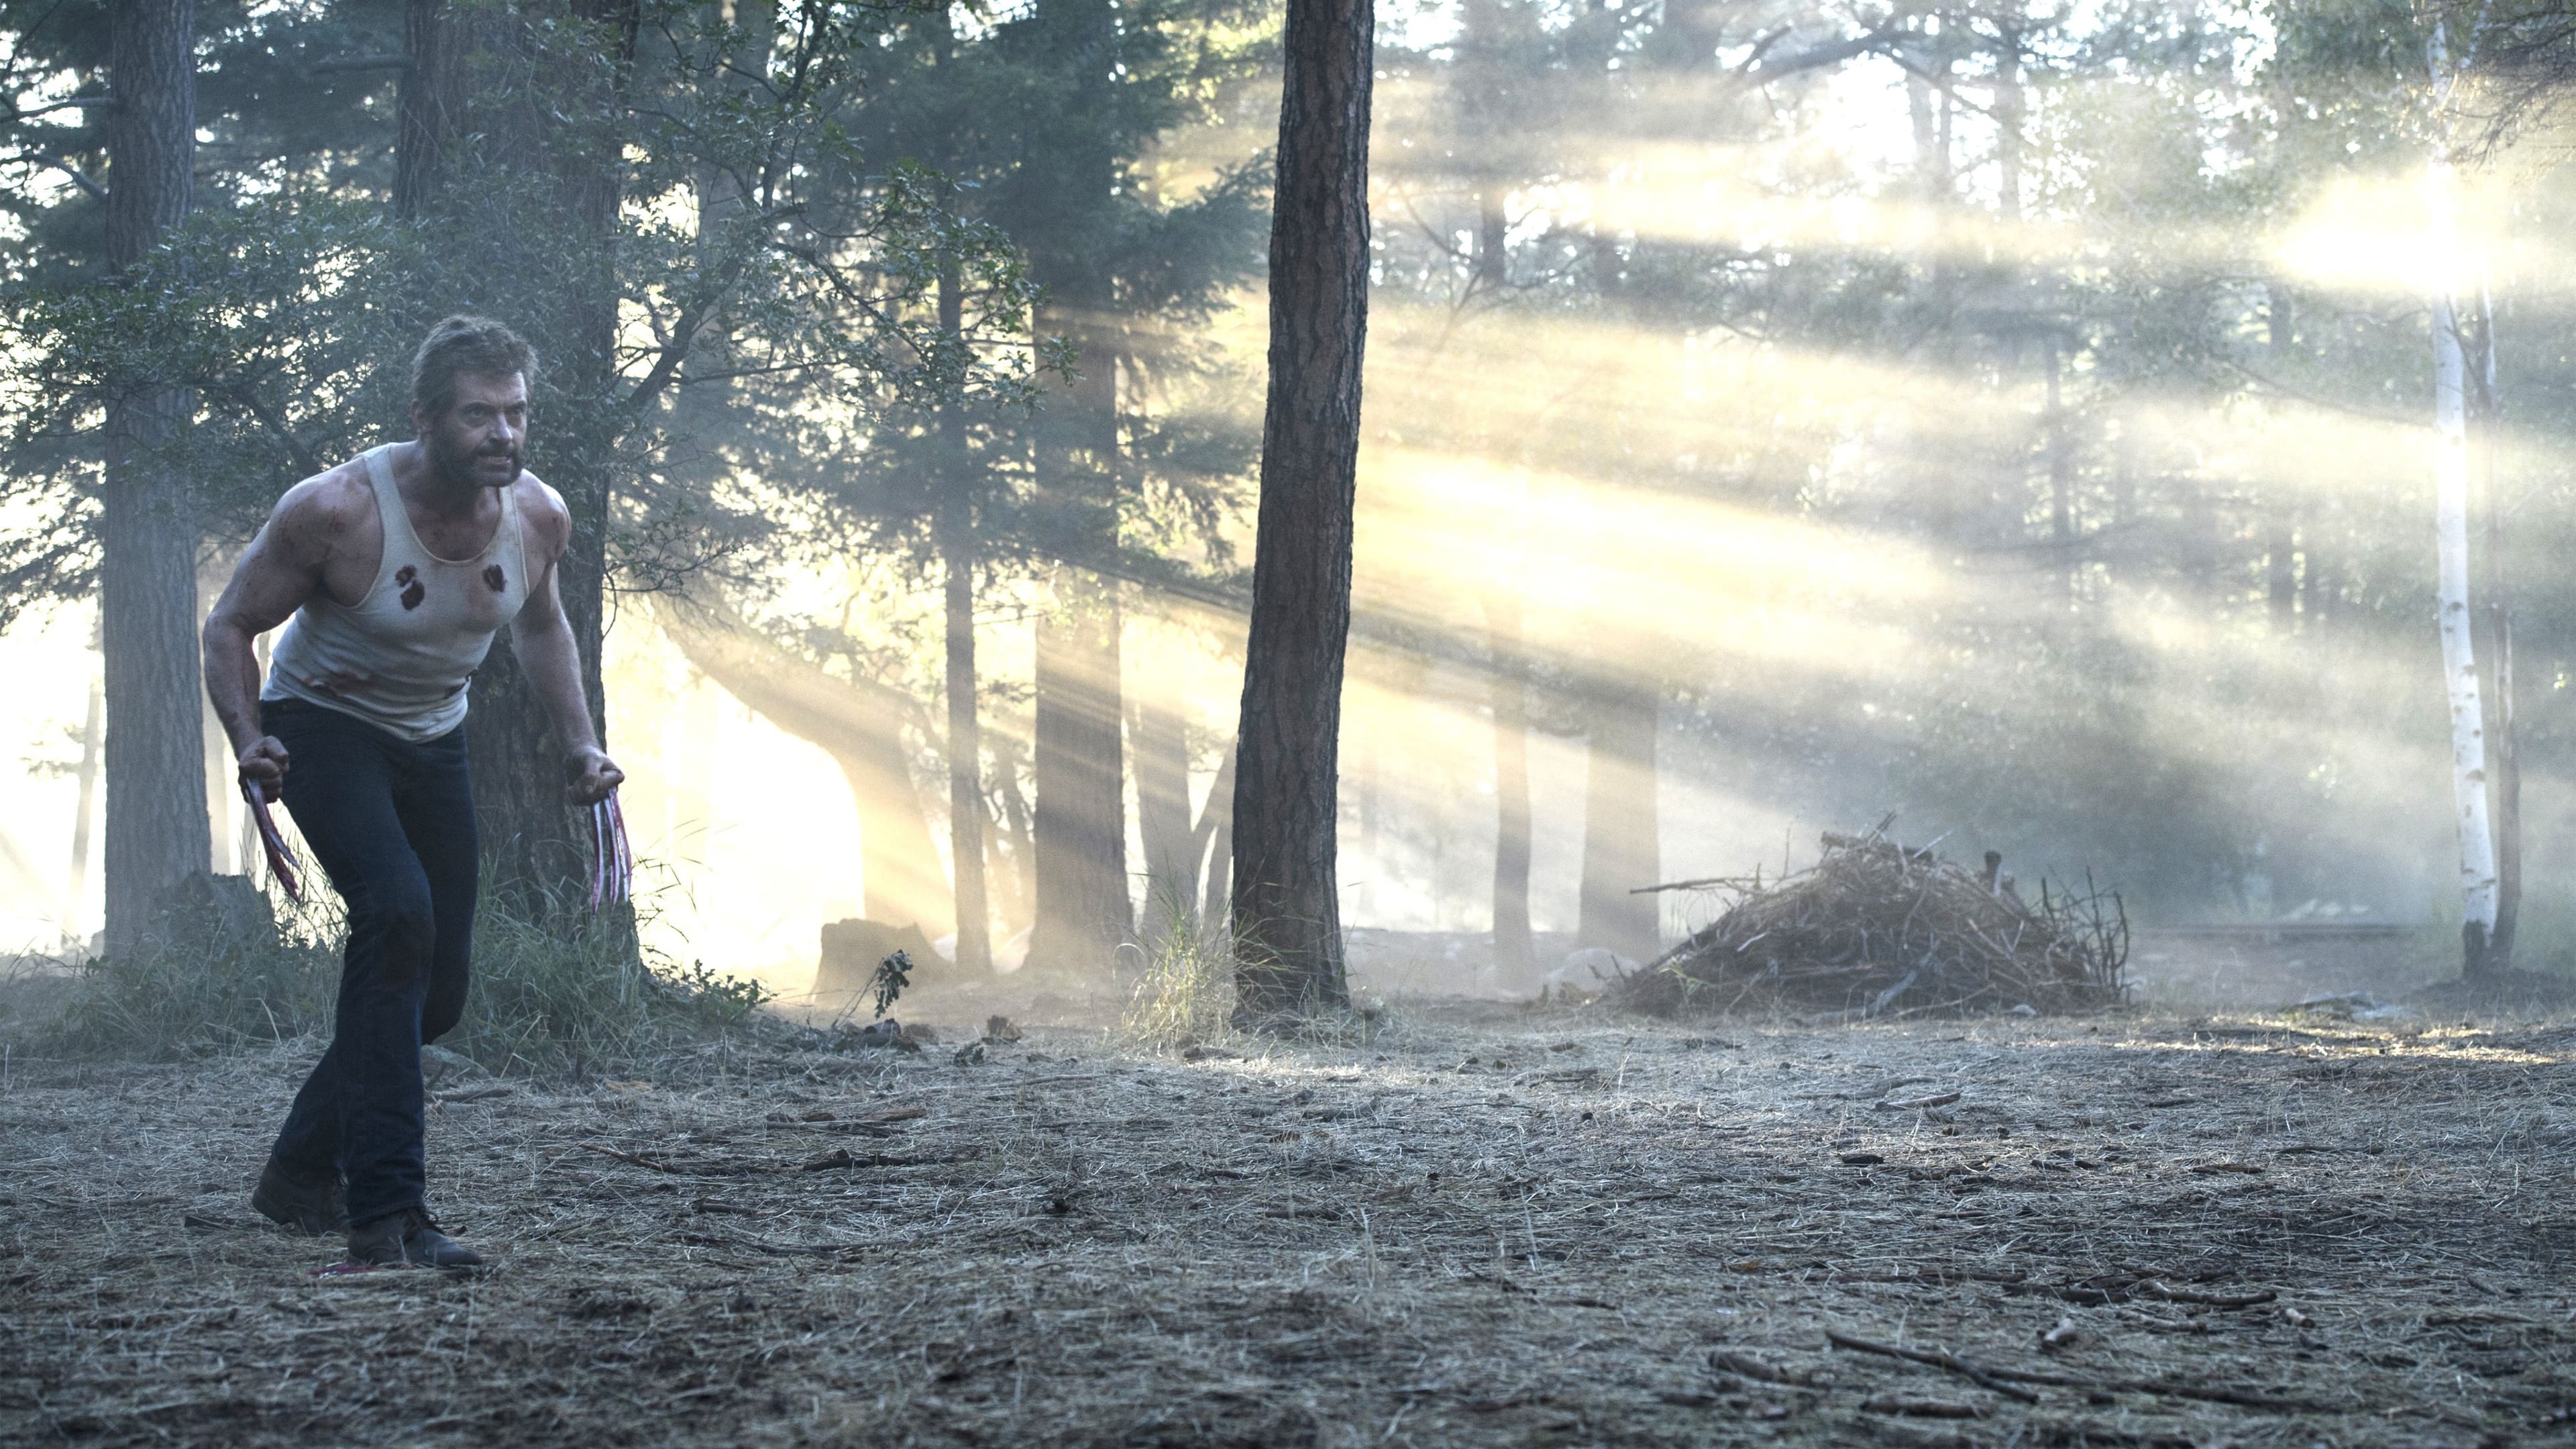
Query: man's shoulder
{"points": [[544, 509], [331, 502]]}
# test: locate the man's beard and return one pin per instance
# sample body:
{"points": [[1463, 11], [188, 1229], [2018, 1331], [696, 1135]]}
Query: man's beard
{"points": [[456, 465]]}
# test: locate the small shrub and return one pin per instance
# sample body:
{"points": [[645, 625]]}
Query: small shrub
{"points": [[1186, 993]]}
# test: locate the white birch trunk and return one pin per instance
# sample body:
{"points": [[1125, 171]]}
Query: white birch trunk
{"points": [[2459, 659], [2451, 546]]}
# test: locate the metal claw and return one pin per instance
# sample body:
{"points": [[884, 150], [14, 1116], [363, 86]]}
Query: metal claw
{"points": [[625, 850], [280, 864], [598, 854], [612, 860]]}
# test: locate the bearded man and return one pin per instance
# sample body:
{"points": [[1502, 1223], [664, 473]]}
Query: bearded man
{"points": [[391, 573]]}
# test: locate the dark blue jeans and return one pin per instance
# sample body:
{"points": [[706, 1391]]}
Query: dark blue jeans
{"points": [[392, 824]]}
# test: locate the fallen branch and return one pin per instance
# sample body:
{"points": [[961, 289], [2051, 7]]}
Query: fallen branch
{"points": [[1909, 1104], [2154, 1289], [1937, 1358], [1985, 1373], [1747, 1366], [628, 1157], [841, 1157]]}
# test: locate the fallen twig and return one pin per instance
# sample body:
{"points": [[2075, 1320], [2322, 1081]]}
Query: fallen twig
{"points": [[1909, 1104], [2154, 1289], [1937, 1358], [1984, 1373], [1747, 1366], [628, 1157], [841, 1157]]}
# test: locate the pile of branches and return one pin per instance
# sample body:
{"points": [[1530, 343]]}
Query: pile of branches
{"points": [[1876, 929]]}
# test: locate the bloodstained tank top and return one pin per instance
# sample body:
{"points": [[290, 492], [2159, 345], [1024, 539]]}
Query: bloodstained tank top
{"points": [[401, 656]]}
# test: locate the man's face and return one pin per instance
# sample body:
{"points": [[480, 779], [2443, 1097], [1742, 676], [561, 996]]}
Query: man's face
{"points": [[482, 438]]}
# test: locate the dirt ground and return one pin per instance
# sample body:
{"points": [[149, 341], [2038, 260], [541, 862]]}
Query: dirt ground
{"points": [[1484, 1225]]}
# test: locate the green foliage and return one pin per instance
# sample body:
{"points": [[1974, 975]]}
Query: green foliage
{"points": [[747, 238]]}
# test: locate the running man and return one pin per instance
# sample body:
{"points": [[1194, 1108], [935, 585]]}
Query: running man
{"points": [[397, 568]]}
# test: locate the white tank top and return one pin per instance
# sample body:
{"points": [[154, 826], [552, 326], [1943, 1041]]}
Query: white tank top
{"points": [[400, 657]]}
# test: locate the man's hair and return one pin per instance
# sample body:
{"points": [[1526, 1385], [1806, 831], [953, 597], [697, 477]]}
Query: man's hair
{"points": [[462, 343]]}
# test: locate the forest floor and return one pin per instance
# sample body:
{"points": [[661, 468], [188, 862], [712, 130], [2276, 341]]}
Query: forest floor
{"points": [[1480, 1225]]}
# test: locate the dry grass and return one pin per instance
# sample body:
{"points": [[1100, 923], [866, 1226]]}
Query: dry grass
{"points": [[1485, 1226]]}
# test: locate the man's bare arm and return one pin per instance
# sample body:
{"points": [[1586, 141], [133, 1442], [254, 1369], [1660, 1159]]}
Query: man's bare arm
{"points": [[543, 637], [279, 571]]}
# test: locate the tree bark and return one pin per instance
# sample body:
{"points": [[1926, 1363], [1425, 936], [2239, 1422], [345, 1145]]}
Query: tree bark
{"points": [[1287, 916], [1515, 955], [76, 894], [965, 760], [2280, 515], [1019, 907], [1079, 824], [854, 721], [2507, 753], [430, 110], [156, 805], [1213, 842], [496, 102], [1161, 742], [2459, 657], [965, 733], [1078, 763], [2451, 551], [1621, 849], [2061, 484]]}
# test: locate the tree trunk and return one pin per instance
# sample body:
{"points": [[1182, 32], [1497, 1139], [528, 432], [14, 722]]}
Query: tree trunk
{"points": [[2061, 484], [1019, 909], [1161, 741], [1216, 830], [1621, 851], [1079, 829], [476, 121], [430, 111], [2508, 755], [1287, 916], [76, 895], [854, 721], [2459, 658], [2009, 105], [156, 809], [2280, 514], [1079, 768], [965, 760], [1515, 956], [1481, 68], [965, 732]]}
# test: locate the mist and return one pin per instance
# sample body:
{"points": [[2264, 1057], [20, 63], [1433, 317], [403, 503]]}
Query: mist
{"points": [[2023, 426]]}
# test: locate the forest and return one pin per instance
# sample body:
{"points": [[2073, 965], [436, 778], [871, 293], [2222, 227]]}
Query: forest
{"points": [[1776, 416], [1225, 623]]}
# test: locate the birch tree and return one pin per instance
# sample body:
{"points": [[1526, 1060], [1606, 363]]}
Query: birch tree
{"points": [[2451, 535]]}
